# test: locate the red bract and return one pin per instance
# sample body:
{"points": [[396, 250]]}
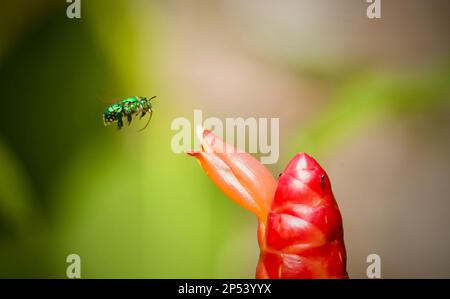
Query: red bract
{"points": [[300, 227]]}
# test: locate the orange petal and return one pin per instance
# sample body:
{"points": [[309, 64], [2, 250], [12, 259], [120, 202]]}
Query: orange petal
{"points": [[238, 174]]}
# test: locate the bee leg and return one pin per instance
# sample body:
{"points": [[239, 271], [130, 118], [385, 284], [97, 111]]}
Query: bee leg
{"points": [[142, 115], [128, 113], [119, 121], [129, 118]]}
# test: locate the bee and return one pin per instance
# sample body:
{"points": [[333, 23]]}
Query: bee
{"points": [[127, 108]]}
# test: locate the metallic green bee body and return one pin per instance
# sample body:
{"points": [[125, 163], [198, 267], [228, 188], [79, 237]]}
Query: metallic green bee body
{"points": [[128, 108]]}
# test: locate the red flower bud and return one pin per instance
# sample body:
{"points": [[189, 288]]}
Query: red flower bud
{"points": [[303, 235]]}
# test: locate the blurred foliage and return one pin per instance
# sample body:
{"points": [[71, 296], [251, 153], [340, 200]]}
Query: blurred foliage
{"points": [[16, 195], [365, 97], [123, 202]]}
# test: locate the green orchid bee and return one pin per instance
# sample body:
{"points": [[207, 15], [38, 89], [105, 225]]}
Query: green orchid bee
{"points": [[128, 108]]}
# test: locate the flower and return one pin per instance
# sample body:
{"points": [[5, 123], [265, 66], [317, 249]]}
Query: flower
{"points": [[300, 231]]}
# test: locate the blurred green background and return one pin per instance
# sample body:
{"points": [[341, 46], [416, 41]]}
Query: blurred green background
{"points": [[368, 98]]}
